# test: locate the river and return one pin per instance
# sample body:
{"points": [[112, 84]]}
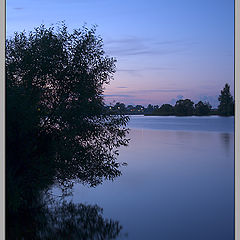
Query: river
{"points": [[179, 181]]}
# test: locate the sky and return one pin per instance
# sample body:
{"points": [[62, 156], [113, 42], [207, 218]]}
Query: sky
{"points": [[165, 49]]}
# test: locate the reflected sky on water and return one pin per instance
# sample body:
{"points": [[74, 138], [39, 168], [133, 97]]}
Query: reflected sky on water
{"points": [[193, 123], [179, 183]]}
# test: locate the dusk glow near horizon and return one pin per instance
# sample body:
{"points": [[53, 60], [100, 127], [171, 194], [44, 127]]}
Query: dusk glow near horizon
{"points": [[165, 50]]}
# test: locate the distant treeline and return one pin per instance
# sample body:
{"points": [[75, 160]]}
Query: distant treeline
{"points": [[183, 107]]}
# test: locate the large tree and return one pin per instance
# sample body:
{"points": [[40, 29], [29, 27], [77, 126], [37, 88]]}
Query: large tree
{"points": [[202, 109], [226, 106], [184, 107], [57, 126], [166, 109]]}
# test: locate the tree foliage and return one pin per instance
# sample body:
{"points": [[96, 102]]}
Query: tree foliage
{"points": [[63, 220], [149, 108], [202, 109], [184, 107], [57, 126], [226, 106], [166, 109]]}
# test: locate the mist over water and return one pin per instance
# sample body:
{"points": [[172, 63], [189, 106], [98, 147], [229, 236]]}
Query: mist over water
{"points": [[179, 182]]}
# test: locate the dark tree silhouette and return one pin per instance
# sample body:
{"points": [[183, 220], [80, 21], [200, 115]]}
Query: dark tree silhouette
{"points": [[57, 125], [63, 220], [130, 107], [184, 107], [119, 108], [202, 108], [165, 109], [149, 108], [226, 106]]}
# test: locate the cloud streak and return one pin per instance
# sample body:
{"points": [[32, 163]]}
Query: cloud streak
{"points": [[162, 90], [135, 51], [134, 46], [18, 8], [118, 95], [146, 91], [145, 69]]}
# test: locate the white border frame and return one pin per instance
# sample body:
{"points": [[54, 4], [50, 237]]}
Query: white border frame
{"points": [[237, 119], [2, 117]]}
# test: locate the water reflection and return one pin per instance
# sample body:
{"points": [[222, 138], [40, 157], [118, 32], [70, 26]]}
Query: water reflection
{"points": [[178, 185], [62, 220], [209, 124], [226, 141]]}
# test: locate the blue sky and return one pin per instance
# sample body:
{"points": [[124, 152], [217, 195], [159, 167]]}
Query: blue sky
{"points": [[165, 49]]}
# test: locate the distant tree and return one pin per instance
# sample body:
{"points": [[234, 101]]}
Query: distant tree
{"points": [[202, 108], [57, 127], [129, 107], [166, 109], [139, 108], [120, 106], [226, 106], [184, 107], [149, 108]]}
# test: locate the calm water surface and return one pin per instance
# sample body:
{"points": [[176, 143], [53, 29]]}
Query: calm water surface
{"points": [[179, 182]]}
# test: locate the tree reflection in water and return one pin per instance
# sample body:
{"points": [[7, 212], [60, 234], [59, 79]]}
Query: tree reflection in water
{"points": [[58, 131], [62, 220]]}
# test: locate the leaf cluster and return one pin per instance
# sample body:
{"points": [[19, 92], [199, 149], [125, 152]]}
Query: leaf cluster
{"points": [[57, 125], [226, 106]]}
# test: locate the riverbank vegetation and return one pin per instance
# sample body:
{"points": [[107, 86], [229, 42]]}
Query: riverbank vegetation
{"points": [[183, 107]]}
